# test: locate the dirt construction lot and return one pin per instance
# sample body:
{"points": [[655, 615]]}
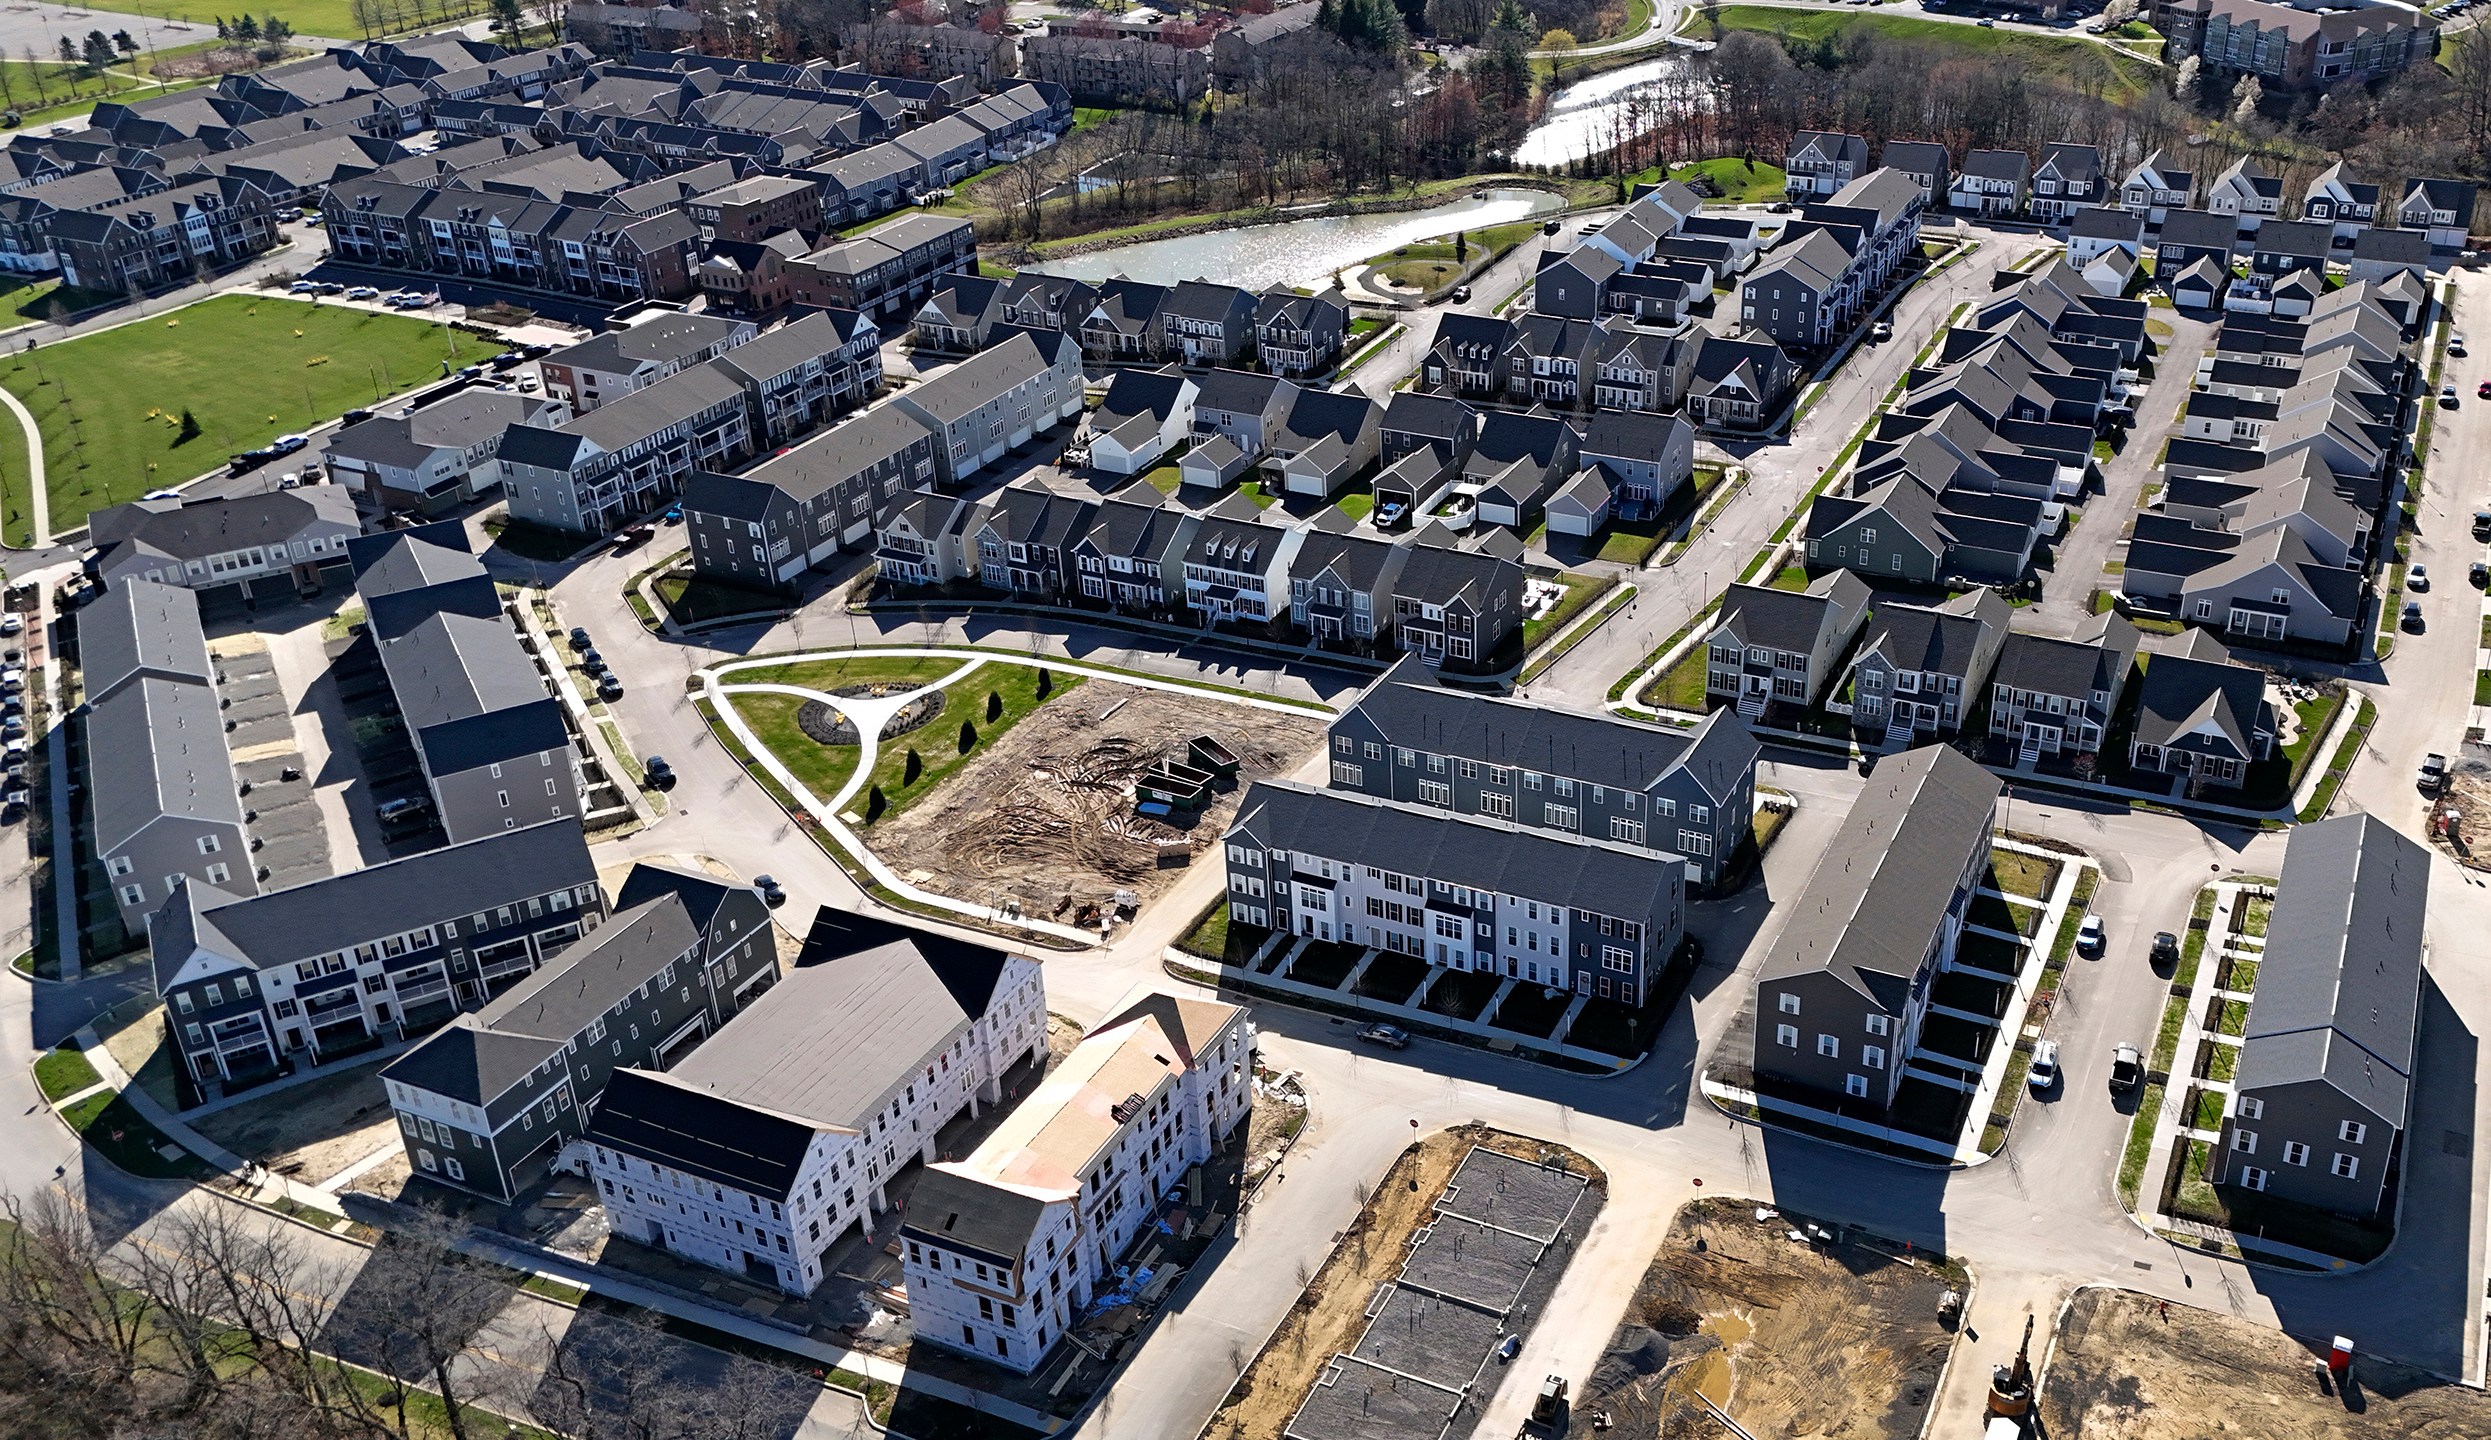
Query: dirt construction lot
{"points": [[1332, 1313], [309, 1132], [1045, 815], [1788, 1338], [2121, 1371]]}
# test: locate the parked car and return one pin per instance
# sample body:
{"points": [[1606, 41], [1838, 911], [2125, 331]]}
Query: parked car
{"points": [[364, 292], [2417, 576], [579, 637], [288, 444], [634, 538], [302, 287], [673, 515], [1461, 294], [404, 810], [2483, 391], [2434, 775], [527, 384], [2166, 949], [2127, 1067], [1881, 332], [2044, 1071], [2479, 574], [2482, 524], [329, 287], [2089, 937], [1391, 1037], [2412, 618], [289, 481], [590, 660], [609, 687], [2456, 343], [771, 895], [11, 622], [661, 774], [2447, 397]]}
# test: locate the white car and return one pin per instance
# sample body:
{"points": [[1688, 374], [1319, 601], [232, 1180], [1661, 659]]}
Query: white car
{"points": [[11, 622], [302, 287], [363, 292], [288, 444], [527, 384], [2044, 1071], [2089, 936], [2417, 577]]}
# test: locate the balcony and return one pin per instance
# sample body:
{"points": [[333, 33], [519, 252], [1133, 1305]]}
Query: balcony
{"points": [[422, 992]]}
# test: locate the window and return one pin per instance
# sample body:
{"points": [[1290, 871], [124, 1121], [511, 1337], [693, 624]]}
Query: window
{"points": [[1855, 1085], [2352, 1132], [2252, 1108], [1787, 1035], [2252, 1178], [1873, 1056], [2346, 1167], [209, 845], [1829, 1046], [1788, 1004], [1880, 1024], [2295, 1153], [2245, 1141]]}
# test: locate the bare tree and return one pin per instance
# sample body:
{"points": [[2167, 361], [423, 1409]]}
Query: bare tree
{"points": [[416, 1311]]}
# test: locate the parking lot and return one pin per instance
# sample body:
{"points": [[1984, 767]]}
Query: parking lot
{"points": [[289, 838]]}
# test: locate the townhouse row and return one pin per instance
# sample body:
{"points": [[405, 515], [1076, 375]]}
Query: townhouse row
{"points": [[1194, 323]]}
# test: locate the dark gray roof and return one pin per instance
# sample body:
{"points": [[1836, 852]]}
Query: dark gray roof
{"points": [[352, 908], [1997, 164], [841, 453], [2108, 222], [1240, 391], [959, 1211], [958, 392], [2199, 228], [2339, 985], [699, 894], [142, 627], [1140, 392], [659, 341], [662, 1119], [1941, 639], [1791, 619], [1409, 709], [562, 997], [1884, 886], [464, 1061], [867, 1003], [2304, 239], [2096, 659], [2196, 685], [195, 529], [161, 750], [1577, 871]]}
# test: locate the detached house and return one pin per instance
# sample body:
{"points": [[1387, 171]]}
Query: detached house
{"points": [[1243, 408], [2202, 718], [2443, 209], [1923, 162], [1921, 668], [1202, 323], [1299, 334], [1129, 557], [2154, 189], [2055, 697], [2342, 203], [1457, 606], [1738, 382], [1236, 567], [1121, 326], [1782, 647], [1821, 163], [1145, 415], [2247, 193], [1991, 183], [2068, 179]]}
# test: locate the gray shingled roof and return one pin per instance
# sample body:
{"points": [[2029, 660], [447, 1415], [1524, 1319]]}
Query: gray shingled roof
{"points": [[2339, 986], [1883, 887], [142, 627], [165, 740]]}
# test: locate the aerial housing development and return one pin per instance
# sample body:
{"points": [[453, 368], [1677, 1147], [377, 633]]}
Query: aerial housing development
{"points": [[1278, 721]]}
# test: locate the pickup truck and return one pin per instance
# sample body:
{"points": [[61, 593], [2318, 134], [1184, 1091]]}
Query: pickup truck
{"points": [[2126, 1067]]}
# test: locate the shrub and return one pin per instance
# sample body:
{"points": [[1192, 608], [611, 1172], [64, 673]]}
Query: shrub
{"points": [[968, 736], [875, 804], [914, 767], [189, 430], [994, 708], [1046, 682]]}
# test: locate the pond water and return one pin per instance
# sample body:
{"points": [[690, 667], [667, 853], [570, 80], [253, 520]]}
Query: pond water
{"points": [[1585, 116], [1299, 252]]}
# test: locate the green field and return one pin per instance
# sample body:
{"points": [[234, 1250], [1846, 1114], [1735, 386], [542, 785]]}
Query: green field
{"points": [[325, 19], [248, 368], [1742, 182], [2079, 63]]}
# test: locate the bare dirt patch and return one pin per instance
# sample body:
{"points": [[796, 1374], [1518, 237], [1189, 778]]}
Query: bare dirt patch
{"points": [[1787, 1337], [1044, 814], [309, 1132], [2121, 1371], [1331, 1313]]}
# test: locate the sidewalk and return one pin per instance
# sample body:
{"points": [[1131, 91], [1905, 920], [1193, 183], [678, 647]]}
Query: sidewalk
{"points": [[262, 1186]]}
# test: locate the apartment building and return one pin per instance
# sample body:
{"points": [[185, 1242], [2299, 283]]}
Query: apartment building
{"points": [[1004, 1249], [771, 526], [336, 966], [652, 346], [2302, 44], [2323, 1091], [233, 547], [1565, 912], [776, 1139], [426, 461], [888, 271], [2055, 697], [998, 401], [1688, 793], [487, 1102], [1843, 991], [162, 803]]}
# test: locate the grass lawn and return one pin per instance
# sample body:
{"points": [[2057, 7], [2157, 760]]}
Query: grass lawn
{"points": [[822, 768], [1530, 1010], [1357, 507], [692, 601], [1632, 542], [1741, 182], [938, 743], [123, 1136], [1258, 492], [1790, 577], [1426, 264], [1581, 590], [2222, 1061], [248, 368], [2016, 873], [2235, 1018], [830, 675], [2316, 715], [1999, 914], [1460, 994], [2140, 1145], [1681, 686], [2253, 915], [1209, 938], [531, 541], [2078, 62], [1164, 479], [2243, 976], [63, 1072]]}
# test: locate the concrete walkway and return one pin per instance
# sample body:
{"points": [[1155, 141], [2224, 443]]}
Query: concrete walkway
{"points": [[39, 494]]}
